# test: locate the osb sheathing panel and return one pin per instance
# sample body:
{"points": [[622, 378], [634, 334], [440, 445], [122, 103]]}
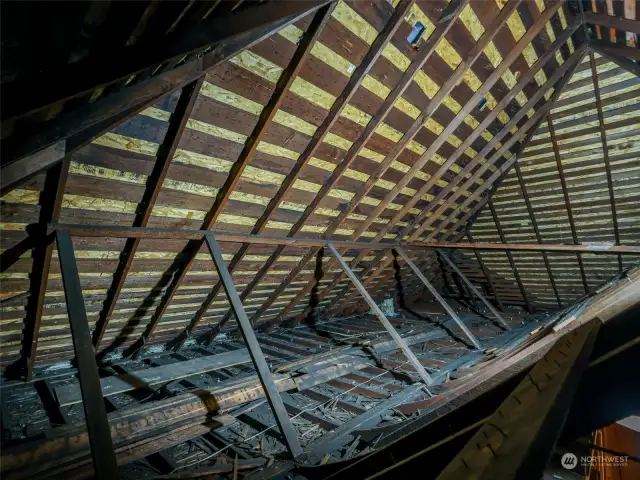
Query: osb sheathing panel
{"points": [[107, 179]]}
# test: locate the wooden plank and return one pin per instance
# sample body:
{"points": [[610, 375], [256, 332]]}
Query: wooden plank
{"points": [[466, 143], [605, 153], [264, 122], [51, 203], [496, 180], [166, 151], [632, 26], [264, 374], [426, 378], [104, 460], [567, 200], [81, 125], [374, 52], [15, 173], [622, 62], [510, 258], [519, 438], [473, 289], [486, 272], [70, 394], [536, 230], [434, 291]]}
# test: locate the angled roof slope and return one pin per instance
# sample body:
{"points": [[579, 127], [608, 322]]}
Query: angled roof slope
{"points": [[572, 184], [383, 190]]}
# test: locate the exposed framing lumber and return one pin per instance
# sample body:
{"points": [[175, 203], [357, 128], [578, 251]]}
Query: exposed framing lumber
{"points": [[116, 231], [264, 122], [490, 118], [605, 152], [473, 289], [166, 151], [13, 173], [385, 36], [316, 140], [616, 49], [514, 268], [528, 423], [487, 273], [438, 297], [622, 62], [50, 205], [567, 200], [536, 230], [262, 369], [83, 124], [426, 378], [608, 21], [104, 460], [530, 126]]}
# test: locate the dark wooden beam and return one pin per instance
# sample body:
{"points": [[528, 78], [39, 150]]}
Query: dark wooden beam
{"points": [[121, 63], [14, 173], [166, 151], [426, 378], [519, 438], [622, 62], [615, 49], [251, 144], [536, 230], [84, 123], [441, 301], [459, 152], [473, 289], [605, 153], [487, 273], [567, 200], [523, 292], [50, 205], [104, 460], [375, 51], [625, 24], [262, 369]]}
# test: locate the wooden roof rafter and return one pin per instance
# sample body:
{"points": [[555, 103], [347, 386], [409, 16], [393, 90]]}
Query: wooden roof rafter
{"points": [[460, 116], [337, 108], [498, 155], [266, 117], [426, 50]]}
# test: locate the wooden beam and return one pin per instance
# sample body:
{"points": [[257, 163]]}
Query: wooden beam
{"points": [[262, 369], [605, 153], [376, 49], [530, 126], [487, 273], [519, 438], [426, 378], [567, 200], [14, 173], [104, 460], [120, 63], [473, 289], [622, 62], [84, 123], [166, 151], [536, 230], [50, 205], [627, 25], [438, 297], [251, 144], [467, 142], [523, 291], [431, 217], [616, 49]]}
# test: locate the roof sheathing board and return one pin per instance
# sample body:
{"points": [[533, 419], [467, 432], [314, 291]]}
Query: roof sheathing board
{"points": [[577, 132], [107, 178]]}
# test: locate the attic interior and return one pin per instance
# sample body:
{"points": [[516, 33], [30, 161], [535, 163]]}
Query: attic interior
{"points": [[320, 239]]}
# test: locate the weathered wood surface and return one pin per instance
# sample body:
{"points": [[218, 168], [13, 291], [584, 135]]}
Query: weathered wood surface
{"points": [[70, 394]]}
